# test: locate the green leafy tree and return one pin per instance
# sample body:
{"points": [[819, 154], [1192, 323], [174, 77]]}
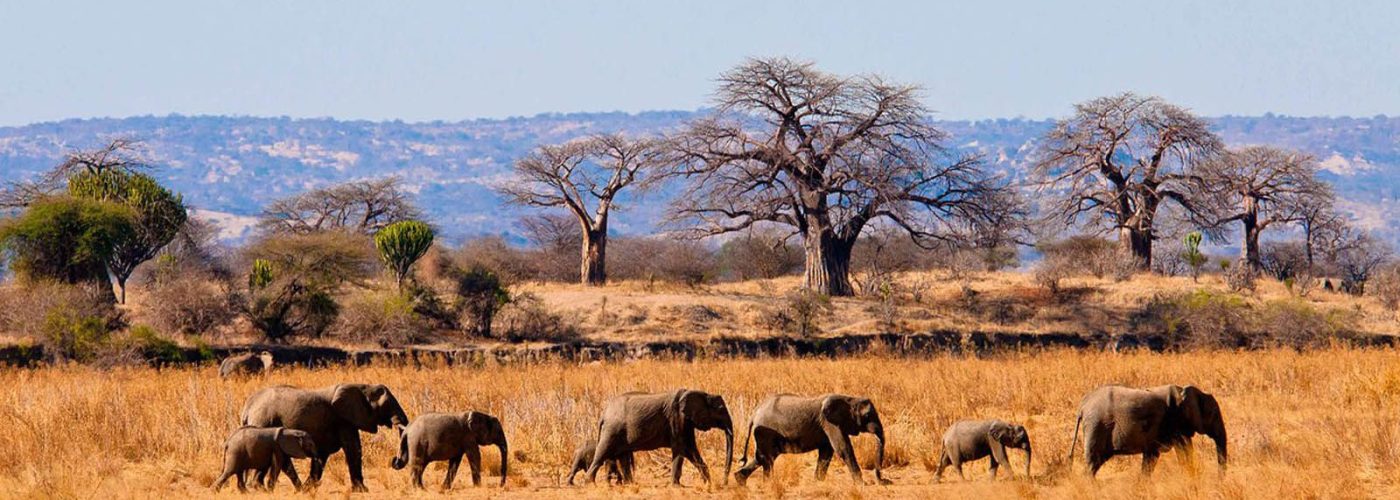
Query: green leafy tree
{"points": [[158, 216], [401, 244], [294, 279], [66, 239], [481, 294], [1193, 255]]}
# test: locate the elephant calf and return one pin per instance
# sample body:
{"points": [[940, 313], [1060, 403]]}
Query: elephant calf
{"points": [[793, 424], [440, 436], [970, 440], [264, 449], [245, 364], [619, 471]]}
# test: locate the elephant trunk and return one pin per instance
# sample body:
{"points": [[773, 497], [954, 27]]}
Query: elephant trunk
{"points": [[401, 460], [1028, 460], [879, 452], [728, 452], [505, 460], [1221, 446]]}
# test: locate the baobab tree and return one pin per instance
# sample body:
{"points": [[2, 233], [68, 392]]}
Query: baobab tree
{"points": [[827, 156], [1259, 187], [1118, 159], [585, 176]]}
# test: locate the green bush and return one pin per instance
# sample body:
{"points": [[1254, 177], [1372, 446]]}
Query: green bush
{"points": [[72, 335], [1204, 319], [153, 346]]}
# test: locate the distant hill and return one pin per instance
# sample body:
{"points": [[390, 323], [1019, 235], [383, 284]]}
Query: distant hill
{"points": [[228, 167]]}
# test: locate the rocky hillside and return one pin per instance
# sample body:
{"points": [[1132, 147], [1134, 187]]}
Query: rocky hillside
{"points": [[228, 167]]}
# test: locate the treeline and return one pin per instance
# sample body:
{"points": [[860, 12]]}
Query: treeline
{"points": [[843, 179]]}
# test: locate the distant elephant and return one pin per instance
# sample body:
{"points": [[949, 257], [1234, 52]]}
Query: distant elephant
{"points": [[265, 451], [619, 471], [636, 421], [970, 440], [441, 436], [334, 416], [245, 364], [1124, 421], [786, 423]]}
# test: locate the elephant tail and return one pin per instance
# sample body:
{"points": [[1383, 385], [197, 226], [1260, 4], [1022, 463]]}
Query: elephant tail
{"points": [[399, 462], [744, 452], [1074, 438]]}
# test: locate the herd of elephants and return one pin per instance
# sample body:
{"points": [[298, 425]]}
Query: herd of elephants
{"points": [[282, 423]]}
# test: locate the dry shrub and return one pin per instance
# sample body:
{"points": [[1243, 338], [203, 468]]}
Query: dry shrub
{"points": [[385, 318], [72, 322], [1385, 287], [1240, 277], [1204, 319], [512, 264], [189, 305], [758, 255], [526, 318], [661, 259], [1083, 254], [800, 313]]}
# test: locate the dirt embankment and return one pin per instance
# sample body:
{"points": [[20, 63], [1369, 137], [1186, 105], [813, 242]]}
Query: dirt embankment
{"points": [[917, 344]]}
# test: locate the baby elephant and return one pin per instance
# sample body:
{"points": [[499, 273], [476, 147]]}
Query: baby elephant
{"points": [[264, 449], [440, 436], [619, 471], [245, 364], [970, 440]]}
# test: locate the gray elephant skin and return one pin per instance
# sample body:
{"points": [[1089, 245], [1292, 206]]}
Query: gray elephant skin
{"points": [[1124, 421], [619, 471], [636, 421], [436, 437], [970, 440], [245, 364], [787, 423], [266, 451], [334, 416]]}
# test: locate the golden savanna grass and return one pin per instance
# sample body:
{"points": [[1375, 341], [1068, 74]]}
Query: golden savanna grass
{"points": [[1318, 424]]}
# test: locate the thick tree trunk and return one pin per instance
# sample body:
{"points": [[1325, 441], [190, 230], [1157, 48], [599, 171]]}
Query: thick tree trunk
{"points": [[828, 263], [593, 271], [1249, 249], [1137, 244]]}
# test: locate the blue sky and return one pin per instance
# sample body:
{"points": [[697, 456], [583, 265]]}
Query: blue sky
{"points": [[427, 60]]}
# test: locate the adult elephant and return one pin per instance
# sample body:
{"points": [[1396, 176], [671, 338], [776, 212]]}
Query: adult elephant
{"points": [[637, 421], [334, 416], [1120, 420], [793, 424]]}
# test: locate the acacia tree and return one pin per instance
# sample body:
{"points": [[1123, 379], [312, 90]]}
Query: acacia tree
{"points": [[159, 214], [585, 176], [1258, 186], [364, 206], [119, 155], [827, 156], [1119, 158]]}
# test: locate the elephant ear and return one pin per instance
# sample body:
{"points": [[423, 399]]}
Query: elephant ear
{"points": [[686, 406], [1000, 432], [840, 412], [351, 404], [1186, 402]]}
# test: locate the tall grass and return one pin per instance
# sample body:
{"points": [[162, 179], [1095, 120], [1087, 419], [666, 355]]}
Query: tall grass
{"points": [[1319, 424]]}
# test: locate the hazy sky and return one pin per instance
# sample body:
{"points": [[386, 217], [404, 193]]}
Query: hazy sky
{"points": [[421, 60]]}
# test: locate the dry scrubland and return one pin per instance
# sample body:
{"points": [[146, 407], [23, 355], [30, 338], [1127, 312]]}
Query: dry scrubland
{"points": [[1008, 301], [1317, 424]]}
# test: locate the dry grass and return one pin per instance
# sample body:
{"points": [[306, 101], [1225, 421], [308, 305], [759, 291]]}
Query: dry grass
{"points": [[1318, 424], [1008, 302]]}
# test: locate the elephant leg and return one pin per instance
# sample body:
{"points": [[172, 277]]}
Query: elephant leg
{"points": [[625, 465], [693, 454], [841, 443], [610, 443], [677, 458], [259, 477], [824, 454], [943, 463], [451, 473], [242, 485], [313, 474], [416, 469], [275, 470], [354, 460], [222, 480], [474, 463], [992, 470], [1149, 461]]}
